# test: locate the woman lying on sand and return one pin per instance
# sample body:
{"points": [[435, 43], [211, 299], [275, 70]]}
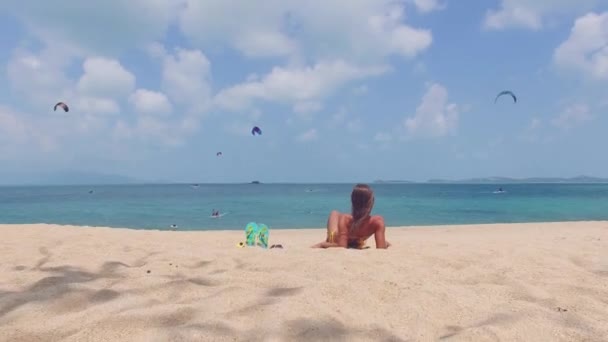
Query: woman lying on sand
{"points": [[351, 231]]}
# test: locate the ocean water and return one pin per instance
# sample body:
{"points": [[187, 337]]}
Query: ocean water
{"points": [[297, 205]]}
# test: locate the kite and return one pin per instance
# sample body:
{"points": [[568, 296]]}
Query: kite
{"points": [[218, 154], [506, 92], [62, 105], [255, 130]]}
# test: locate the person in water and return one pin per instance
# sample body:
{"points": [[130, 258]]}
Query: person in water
{"points": [[352, 230]]}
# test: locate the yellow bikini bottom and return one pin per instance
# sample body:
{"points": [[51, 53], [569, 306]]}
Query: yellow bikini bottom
{"points": [[354, 243]]}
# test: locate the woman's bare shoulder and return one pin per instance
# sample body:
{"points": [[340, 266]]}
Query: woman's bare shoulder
{"points": [[376, 220]]}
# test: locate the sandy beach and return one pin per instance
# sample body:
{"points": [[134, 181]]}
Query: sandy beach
{"points": [[517, 282]]}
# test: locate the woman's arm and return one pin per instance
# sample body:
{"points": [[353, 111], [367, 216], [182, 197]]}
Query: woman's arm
{"points": [[379, 233], [342, 240]]}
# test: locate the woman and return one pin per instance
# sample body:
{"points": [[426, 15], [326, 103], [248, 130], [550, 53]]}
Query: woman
{"points": [[351, 231]]}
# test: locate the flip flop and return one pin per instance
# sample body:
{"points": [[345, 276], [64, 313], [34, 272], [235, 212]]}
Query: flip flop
{"points": [[276, 246], [263, 236], [251, 233]]}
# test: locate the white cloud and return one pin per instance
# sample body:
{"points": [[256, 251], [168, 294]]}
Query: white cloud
{"points": [[426, 6], [434, 117], [149, 129], [586, 49], [105, 77], [38, 78], [317, 29], [400, 39], [534, 14], [42, 81], [43, 137], [100, 89], [150, 102], [186, 79], [308, 136], [12, 128], [293, 84], [100, 28], [95, 105], [265, 44], [573, 116]]}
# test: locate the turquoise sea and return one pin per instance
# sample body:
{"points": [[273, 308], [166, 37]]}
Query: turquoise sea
{"points": [[297, 205]]}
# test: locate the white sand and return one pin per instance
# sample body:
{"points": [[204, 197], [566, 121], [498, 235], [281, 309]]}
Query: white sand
{"points": [[478, 283]]}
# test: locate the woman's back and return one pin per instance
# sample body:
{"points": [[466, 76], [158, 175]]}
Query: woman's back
{"points": [[356, 236]]}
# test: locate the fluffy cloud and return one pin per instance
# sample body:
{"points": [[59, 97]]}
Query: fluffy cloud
{"points": [[186, 78], [41, 137], [37, 77], [532, 14], [573, 116], [12, 127], [100, 28], [426, 6], [295, 84], [42, 81], [586, 49], [319, 29], [308, 136], [101, 89], [265, 44], [95, 105], [105, 77], [150, 102], [434, 117]]}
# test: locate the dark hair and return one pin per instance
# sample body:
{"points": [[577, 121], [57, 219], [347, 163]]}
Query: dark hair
{"points": [[362, 199]]}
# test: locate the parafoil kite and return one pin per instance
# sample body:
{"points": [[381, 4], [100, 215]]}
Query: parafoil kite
{"points": [[506, 92], [255, 130], [218, 154], [62, 105]]}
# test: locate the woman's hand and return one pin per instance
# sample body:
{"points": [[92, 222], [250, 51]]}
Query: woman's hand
{"points": [[325, 245]]}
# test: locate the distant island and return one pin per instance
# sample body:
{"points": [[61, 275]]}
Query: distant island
{"points": [[508, 180], [504, 180], [380, 181], [255, 182]]}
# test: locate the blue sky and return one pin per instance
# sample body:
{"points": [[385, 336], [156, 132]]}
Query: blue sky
{"points": [[343, 90]]}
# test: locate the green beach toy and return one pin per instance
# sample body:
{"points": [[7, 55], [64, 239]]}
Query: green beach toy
{"points": [[251, 233], [263, 236]]}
